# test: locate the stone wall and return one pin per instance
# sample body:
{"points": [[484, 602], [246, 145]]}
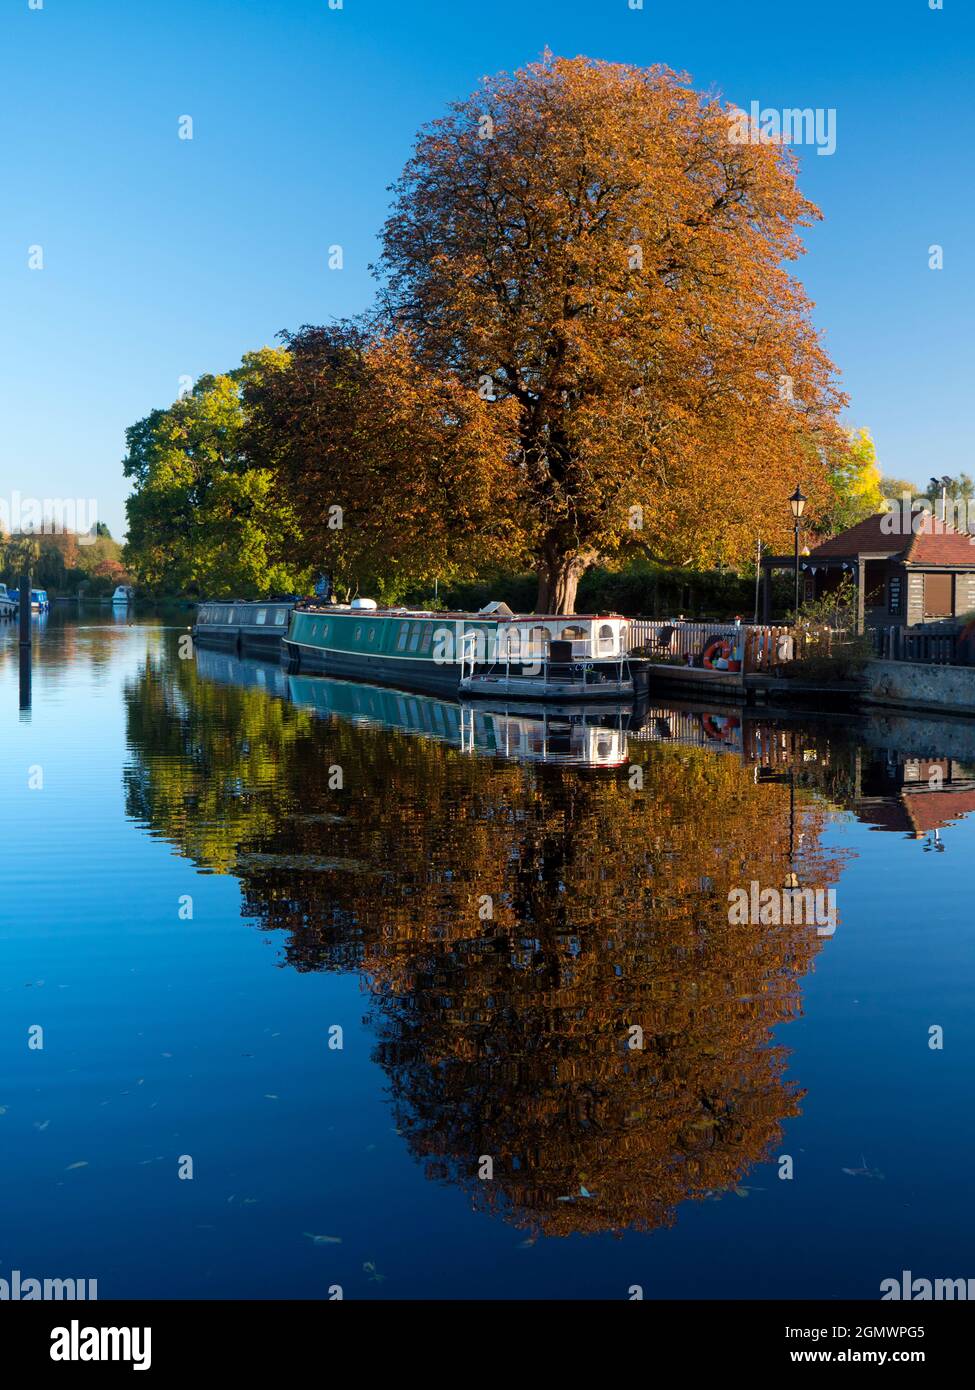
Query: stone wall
{"points": [[915, 685]]}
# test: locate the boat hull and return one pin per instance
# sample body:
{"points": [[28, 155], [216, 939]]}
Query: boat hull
{"points": [[406, 672], [491, 687], [234, 627]]}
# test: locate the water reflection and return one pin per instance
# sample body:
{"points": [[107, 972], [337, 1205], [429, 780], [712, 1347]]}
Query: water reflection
{"points": [[577, 735], [514, 921]]}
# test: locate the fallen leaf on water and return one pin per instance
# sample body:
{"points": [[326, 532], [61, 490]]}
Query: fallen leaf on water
{"points": [[82, 1163], [323, 1240], [41, 1124], [864, 1171]]}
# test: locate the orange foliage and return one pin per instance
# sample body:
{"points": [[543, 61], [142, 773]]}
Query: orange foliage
{"points": [[590, 238]]}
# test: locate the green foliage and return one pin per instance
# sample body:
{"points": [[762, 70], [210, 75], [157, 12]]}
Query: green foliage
{"points": [[638, 589], [826, 656], [960, 489], [65, 563], [894, 488], [836, 609], [201, 519], [856, 483]]}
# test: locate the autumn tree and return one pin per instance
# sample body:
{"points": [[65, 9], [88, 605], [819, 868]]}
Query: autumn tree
{"points": [[855, 480], [399, 472], [602, 247], [201, 517]]}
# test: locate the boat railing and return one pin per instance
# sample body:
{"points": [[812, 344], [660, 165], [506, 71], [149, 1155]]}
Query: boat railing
{"points": [[541, 666]]}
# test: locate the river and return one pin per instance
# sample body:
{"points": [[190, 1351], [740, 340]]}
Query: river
{"points": [[311, 986]]}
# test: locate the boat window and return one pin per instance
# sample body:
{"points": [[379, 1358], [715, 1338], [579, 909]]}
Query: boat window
{"points": [[539, 639], [404, 632], [575, 633], [280, 616], [415, 636], [357, 635], [605, 637], [262, 615], [427, 642], [371, 635], [314, 629]]}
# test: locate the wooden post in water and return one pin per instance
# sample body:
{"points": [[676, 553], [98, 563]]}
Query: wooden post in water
{"points": [[26, 635]]}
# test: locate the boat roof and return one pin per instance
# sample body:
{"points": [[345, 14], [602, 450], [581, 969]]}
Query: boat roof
{"points": [[567, 618]]}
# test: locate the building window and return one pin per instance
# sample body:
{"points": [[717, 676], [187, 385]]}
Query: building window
{"points": [[938, 595]]}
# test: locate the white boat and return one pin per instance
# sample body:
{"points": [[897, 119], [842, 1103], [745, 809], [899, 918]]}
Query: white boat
{"points": [[124, 594], [588, 660]]}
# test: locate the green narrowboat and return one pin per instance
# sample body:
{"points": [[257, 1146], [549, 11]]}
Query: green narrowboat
{"points": [[254, 628], [494, 653]]}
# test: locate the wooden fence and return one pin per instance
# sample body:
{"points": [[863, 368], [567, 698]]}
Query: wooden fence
{"points": [[918, 644], [758, 648]]}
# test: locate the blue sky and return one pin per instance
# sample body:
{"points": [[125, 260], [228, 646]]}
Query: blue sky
{"points": [[166, 258]]}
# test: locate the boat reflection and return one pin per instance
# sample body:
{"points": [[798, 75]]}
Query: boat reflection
{"points": [[575, 736]]}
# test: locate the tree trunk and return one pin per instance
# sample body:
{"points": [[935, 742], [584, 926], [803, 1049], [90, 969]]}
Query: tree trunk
{"points": [[558, 579]]}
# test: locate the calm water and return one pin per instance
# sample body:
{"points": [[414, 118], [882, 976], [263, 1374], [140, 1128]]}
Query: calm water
{"points": [[192, 906]]}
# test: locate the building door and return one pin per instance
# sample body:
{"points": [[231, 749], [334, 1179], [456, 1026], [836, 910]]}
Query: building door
{"points": [[938, 595]]}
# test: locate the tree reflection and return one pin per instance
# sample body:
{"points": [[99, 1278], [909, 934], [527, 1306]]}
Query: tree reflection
{"points": [[512, 925]]}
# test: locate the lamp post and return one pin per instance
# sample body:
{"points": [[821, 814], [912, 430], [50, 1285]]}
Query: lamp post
{"points": [[798, 504]]}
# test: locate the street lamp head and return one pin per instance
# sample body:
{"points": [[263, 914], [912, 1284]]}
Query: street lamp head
{"points": [[798, 503]]}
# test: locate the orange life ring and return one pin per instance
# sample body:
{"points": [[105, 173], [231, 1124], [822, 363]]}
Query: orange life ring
{"points": [[722, 728], [719, 648]]}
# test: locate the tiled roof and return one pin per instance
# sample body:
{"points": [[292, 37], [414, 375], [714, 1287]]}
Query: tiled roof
{"points": [[934, 543], [916, 812], [867, 536], [933, 810], [939, 544]]}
